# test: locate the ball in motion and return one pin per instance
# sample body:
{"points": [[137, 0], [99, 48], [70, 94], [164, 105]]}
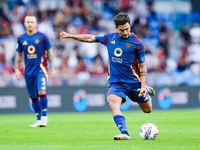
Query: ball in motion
{"points": [[148, 131]]}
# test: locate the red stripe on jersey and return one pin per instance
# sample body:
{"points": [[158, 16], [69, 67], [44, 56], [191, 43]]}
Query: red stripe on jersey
{"points": [[106, 40], [137, 39], [135, 63], [44, 57]]}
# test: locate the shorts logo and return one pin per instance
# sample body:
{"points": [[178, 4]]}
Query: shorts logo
{"points": [[37, 41], [146, 98], [109, 91], [128, 45]]}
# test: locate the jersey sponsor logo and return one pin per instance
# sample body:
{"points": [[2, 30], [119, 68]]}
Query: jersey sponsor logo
{"points": [[37, 41], [25, 43], [32, 56], [113, 42], [115, 59], [128, 45], [31, 49], [118, 52]]}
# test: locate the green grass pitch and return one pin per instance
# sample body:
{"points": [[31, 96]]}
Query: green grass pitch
{"points": [[178, 129]]}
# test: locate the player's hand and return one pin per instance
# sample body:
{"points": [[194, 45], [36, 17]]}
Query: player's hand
{"points": [[52, 73], [18, 74], [144, 91], [64, 35]]}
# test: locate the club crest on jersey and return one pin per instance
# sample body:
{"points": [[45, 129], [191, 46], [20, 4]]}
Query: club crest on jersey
{"points": [[118, 52], [128, 45], [37, 41]]}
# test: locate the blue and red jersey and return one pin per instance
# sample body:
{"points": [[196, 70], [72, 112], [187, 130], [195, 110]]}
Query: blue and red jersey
{"points": [[34, 48], [124, 55]]}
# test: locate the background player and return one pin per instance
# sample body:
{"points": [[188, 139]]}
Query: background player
{"points": [[34, 46], [126, 78]]}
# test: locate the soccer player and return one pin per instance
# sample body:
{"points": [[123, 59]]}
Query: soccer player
{"points": [[127, 70], [36, 49]]}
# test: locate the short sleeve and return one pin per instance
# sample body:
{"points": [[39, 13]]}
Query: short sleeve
{"points": [[141, 57], [47, 44], [19, 46], [103, 39]]}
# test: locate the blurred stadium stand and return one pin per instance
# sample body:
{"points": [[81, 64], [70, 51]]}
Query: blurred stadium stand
{"points": [[169, 30]]}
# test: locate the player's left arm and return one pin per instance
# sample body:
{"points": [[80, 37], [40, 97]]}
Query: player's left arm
{"points": [[18, 58], [143, 77], [50, 57]]}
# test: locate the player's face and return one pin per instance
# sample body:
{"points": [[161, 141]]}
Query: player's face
{"points": [[30, 23], [124, 30]]}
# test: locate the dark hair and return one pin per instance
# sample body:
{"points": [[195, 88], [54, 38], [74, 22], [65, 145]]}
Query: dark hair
{"points": [[121, 19]]}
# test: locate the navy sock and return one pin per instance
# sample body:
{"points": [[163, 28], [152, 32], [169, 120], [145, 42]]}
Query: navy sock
{"points": [[120, 122], [36, 107], [43, 103]]}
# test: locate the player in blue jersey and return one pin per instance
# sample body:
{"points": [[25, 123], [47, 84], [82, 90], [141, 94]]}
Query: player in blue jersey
{"points": [[127, 70], [36, 49]]}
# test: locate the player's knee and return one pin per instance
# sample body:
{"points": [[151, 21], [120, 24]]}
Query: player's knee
{"points": [[147, 110], [112, 102], [110, 99]]}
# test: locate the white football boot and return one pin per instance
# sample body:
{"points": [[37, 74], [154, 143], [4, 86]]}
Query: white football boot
{"points": [[37, 124], [122, 137], [150, 90], [43, 121]]}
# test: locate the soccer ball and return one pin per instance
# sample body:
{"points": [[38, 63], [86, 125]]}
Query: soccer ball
{"points": [[148, 131]]}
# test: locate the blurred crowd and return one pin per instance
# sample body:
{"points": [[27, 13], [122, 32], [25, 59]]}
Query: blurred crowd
{"points": [[172, 55]]}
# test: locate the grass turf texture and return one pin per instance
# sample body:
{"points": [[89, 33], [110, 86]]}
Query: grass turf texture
{"points": [[178, 129]]}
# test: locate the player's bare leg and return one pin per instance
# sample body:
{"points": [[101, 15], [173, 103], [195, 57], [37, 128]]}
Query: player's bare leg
{"points": [[146, 107], [114, 103]]}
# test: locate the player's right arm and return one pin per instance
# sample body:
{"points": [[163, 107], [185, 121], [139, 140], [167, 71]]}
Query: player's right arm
{"points": [[80, 37], [18, 58]]}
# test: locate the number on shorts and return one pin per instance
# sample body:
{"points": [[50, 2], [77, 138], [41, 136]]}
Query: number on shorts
{"points": [[43, 81], [140, 94]]}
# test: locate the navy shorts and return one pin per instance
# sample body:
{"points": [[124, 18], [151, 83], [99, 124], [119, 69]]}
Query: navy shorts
{"points": [[35, 84], [132, 90]]}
